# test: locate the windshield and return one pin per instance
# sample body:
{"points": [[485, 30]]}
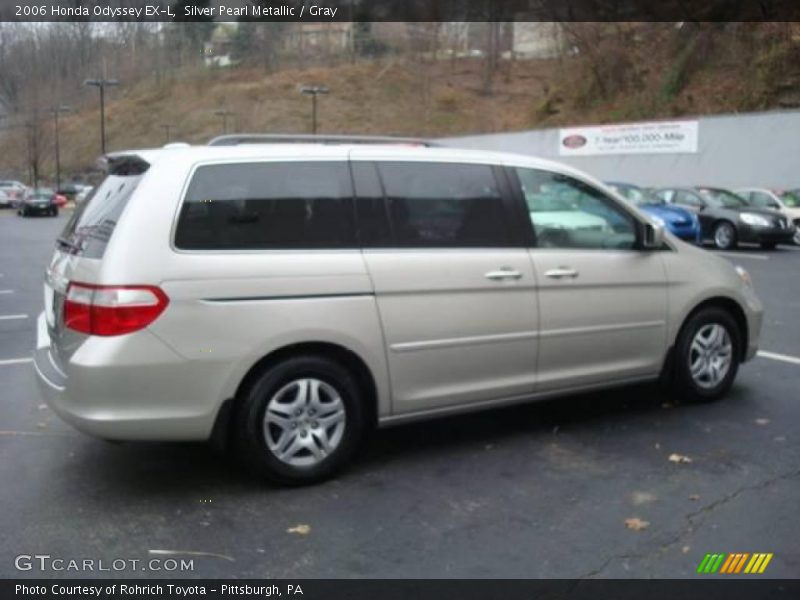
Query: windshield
{"points": [[791, 199], [722, 198], [637, 196]]}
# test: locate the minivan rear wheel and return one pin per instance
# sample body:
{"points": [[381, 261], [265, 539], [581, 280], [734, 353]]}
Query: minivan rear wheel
{"points": [[301, 420], [706, 355]]}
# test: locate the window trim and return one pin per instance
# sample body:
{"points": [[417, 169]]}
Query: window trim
{"points": [[258, 161]]}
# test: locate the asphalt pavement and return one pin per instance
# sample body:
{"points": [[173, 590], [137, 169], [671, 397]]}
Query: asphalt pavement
{"points": [[542, 490]]}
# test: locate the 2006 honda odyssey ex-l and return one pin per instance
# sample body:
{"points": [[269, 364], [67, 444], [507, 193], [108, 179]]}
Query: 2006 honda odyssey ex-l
{"points": [[288, 297]]}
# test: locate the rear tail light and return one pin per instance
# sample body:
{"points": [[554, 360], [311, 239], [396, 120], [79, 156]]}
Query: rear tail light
{"points": [[112, 310]]}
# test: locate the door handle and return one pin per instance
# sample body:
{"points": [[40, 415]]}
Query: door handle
{"points": [[562, 273], [503, 273]]}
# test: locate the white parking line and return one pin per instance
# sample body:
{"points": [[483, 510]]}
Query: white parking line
{"points": [[795, 360], [12, 317], [6, 291], [743, 255], [15, 361]]}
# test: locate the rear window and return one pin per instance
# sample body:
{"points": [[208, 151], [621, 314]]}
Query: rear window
{"points": [[89, 229], [256, 206]]}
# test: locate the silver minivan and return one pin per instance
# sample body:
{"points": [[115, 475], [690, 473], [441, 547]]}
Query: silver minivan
{"points": [[285, 298]]}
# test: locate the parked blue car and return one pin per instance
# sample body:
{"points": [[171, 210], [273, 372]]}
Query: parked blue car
{"points": [[682, 223]]}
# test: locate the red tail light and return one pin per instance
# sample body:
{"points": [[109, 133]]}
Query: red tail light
{"points": [[112, 309]]}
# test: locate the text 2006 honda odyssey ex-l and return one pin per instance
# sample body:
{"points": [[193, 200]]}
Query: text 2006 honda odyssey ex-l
{"points": [[288, 297]]}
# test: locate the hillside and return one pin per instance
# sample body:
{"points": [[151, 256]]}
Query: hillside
{"points": [[429, 98]]}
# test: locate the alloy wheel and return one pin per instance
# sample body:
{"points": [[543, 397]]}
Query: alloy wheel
{"points": [[723, 235], [304, 422], [710, 355]]}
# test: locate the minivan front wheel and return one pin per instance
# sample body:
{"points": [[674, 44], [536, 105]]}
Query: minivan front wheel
{"points": [[302, 420], [707, 355]]}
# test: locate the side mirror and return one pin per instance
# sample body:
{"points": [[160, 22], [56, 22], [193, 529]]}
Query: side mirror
{"points": [[653, 237]]}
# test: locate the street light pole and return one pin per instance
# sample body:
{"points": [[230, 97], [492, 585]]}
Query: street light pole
{"points": [[56, 111], [166, 127], [313, 91], [102, 84], [224, 114]]}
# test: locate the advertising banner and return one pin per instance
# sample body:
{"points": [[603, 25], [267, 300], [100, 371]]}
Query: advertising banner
{"points": [[656, 137]]}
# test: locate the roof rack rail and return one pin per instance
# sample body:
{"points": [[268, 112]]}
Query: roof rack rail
{"points": [[305, 138]]}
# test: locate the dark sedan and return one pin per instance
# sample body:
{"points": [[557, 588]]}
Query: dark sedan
{"points": [[728, 219], [42, 201]]}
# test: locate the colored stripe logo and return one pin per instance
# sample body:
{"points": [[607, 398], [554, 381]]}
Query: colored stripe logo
{"points": [[735, 563]]}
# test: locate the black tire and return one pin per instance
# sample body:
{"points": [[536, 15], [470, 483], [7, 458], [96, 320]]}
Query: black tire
{"points": [[731, 236], [683, 384], [248, 423], [768, 245]]}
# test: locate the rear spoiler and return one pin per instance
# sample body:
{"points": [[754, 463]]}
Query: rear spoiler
{"points": [[120, 163]]}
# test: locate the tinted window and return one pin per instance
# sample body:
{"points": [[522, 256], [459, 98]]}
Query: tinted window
{"points": [[373, 214], [89, 229], [567, 213], [444, 205], [267, 205]]}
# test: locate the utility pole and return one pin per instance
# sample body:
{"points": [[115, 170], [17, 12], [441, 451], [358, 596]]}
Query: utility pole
{"points": [[56, 111], [313, 91], [166, 127], [224, 113], [102, 84]]}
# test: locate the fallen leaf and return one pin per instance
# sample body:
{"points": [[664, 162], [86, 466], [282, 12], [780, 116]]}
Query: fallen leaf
{"points": [[694, 497], [300, 529], [642, 498], [679, 458], [762, 421], [636, 524]]}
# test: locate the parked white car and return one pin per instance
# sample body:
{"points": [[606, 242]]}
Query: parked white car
{"points": [[787, 202], [11, 192]]}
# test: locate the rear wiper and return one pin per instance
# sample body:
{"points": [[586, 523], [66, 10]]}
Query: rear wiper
{"points": [[65, 243]]}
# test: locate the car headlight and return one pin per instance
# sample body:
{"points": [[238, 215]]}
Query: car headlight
{"points": [[752, 219], [744, 276]]}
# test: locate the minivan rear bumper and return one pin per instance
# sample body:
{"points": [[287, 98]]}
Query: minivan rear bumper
{"points": [[114, 401]]}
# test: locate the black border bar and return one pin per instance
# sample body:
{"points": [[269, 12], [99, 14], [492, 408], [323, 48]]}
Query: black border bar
{"points": [[729, 588], [401, 10]]}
